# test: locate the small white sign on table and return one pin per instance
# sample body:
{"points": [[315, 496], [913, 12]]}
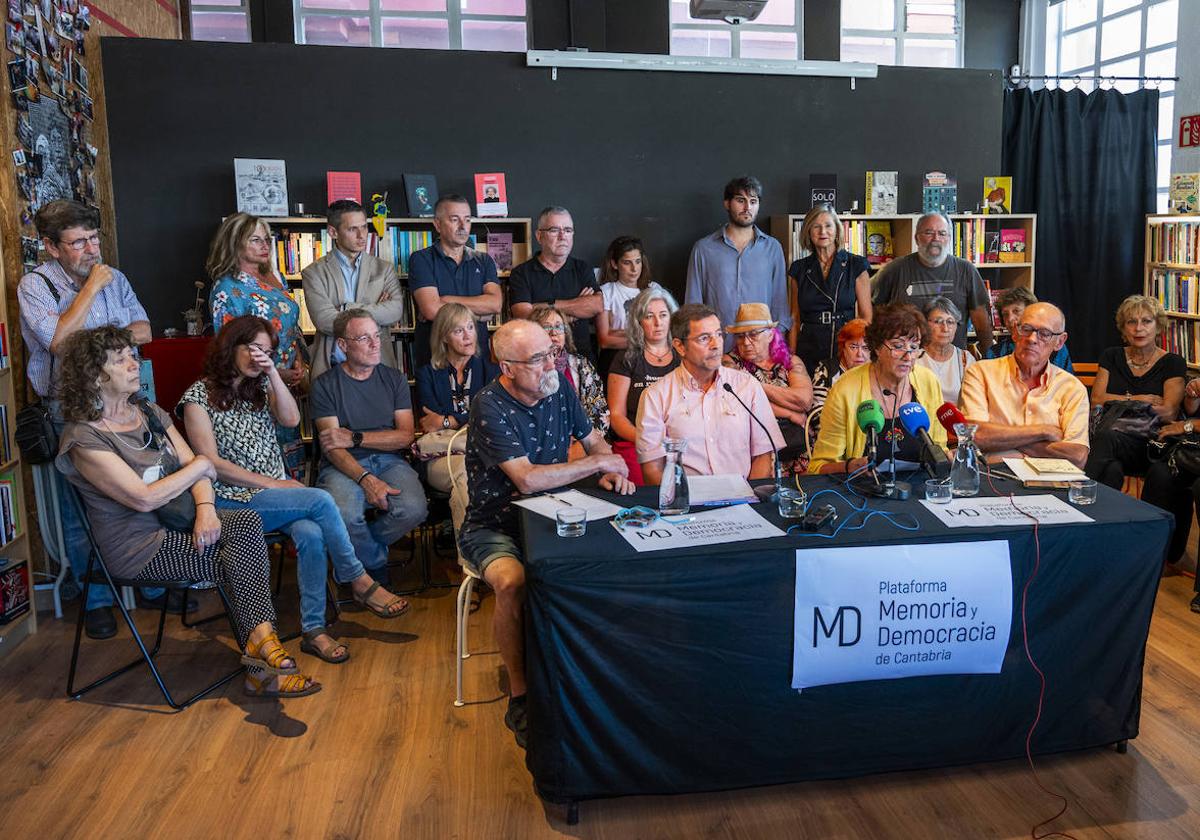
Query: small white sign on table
{"points": [[992, 511], [548, 504], [731, 524]]}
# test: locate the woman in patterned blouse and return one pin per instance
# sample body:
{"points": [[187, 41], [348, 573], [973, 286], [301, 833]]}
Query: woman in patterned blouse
{"points": [[245, 283], [230, 416], [576, 368]]}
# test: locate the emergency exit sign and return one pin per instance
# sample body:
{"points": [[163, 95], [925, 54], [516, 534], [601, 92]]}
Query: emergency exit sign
{"points": [[1189, 131]]}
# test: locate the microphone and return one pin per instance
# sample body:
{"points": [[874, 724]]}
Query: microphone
{"points": [[763, 492], [949, 416], [890, 489], [915, 420], [870, 421]]}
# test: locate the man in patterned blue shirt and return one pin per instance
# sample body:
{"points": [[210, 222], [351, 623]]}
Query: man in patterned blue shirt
{"points": [[518, 434]]}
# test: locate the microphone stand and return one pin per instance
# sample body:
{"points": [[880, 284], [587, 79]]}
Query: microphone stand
{"points": [[890, 489], [764, 492]]}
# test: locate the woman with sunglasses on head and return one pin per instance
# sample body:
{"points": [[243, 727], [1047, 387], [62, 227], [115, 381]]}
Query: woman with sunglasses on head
{"points": [[896, 338], [576, 369], [831, 286]]}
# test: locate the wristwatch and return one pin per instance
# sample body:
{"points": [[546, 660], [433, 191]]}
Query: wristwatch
{"points": [[356, 439], [446, 422], [1188, 426]]}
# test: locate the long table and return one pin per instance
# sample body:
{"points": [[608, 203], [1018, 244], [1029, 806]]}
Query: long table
{"points": [[670, 672]]}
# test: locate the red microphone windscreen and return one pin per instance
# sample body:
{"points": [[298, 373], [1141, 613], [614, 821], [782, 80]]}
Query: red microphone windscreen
{"points": [[948, 415]]}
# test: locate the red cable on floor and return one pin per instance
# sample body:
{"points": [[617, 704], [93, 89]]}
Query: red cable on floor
{"points": [[1037, 562]]}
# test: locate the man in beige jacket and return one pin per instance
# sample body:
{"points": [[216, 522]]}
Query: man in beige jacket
{"points": [[349, 278]]}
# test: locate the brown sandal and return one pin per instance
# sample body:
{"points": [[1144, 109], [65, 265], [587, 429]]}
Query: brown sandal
{"points": [[268, 656], [287, 685], [309, 646], [364, 601]]}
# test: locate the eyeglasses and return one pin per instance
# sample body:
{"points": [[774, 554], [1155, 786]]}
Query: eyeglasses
{"points": [[466, 329], [365, 338], [706, 339], [899, 351], [933, 234], [533, 361], [943, 322], [259, 240], [752, 335], [554, 329], [1027, 330], [259, 348], [82, 242], [557, 231]]}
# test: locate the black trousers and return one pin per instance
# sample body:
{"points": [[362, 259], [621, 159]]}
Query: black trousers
{"points": [[1179, 496], [1115, 455]]}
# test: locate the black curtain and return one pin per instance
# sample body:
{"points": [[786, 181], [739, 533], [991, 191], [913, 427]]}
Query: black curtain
{"points": [[1085, 163]]}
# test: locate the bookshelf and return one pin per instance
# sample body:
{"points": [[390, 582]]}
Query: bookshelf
{"points": [[299, 241], [1172, 275], [972, 238], [16, 573]]}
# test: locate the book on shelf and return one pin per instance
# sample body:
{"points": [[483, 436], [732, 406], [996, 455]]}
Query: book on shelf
{"points": [[297, 250], [997, 194], [1012, 245], [879, 243], [1184, 186], [1177, 290], [261, 186], [854, 237], [16, 592], [939, 193], [306, 321], [491, 196], [9, 507], [823, 187], [422, 194], [993, 296], [340, 185], [5, 440], [1175, 241], [970, 240], [500, 249], [400, 245], [4, 358], [882, 191], [1182, 337]]}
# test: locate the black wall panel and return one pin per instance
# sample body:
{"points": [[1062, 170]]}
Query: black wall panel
{"points": [[628, 152]]}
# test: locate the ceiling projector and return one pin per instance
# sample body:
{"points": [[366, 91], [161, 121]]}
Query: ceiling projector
{"points": [[730, 11]]}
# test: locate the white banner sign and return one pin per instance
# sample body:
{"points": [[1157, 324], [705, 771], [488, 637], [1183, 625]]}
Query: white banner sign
{"points": [[990, 511], [882, 613], [729, 524]]}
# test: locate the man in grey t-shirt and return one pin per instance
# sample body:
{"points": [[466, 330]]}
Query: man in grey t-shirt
{"points": [[932, 271], [362, 411]]}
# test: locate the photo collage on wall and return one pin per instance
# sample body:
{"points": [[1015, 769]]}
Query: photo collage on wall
{"points": [[53, 108]]}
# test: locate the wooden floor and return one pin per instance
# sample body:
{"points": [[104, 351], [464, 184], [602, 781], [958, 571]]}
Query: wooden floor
{"points": [[382, 752]]}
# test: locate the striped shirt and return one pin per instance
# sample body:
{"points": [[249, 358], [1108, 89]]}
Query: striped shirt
{"points": [[116, 305], [992, 392]]}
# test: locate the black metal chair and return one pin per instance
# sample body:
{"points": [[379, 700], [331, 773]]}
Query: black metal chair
{"points": [[98, 574]]}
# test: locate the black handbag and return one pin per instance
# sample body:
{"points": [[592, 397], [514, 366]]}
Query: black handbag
{"points": [[35, 435], [1131, 417], [179, 514], [1181, 453]]}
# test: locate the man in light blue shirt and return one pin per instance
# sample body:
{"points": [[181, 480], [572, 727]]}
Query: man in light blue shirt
{"points": [[738, 263]]}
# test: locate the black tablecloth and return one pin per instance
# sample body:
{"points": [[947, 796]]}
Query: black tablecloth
{"points": [[670, 671]]}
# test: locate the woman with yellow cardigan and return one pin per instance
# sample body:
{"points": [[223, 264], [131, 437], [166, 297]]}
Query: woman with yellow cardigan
{"points": [[896, 336]]}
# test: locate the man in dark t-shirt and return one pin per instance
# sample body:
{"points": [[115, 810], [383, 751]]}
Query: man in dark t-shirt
{"points": [[518, 434], [362, 411], [554, 276]]}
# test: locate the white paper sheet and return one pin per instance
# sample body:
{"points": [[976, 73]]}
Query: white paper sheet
{"points": [[985, 512], [548, 504], [736, 523], [719, 489]]}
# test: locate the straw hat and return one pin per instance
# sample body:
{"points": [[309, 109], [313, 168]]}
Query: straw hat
{"points": [[751, 316]]}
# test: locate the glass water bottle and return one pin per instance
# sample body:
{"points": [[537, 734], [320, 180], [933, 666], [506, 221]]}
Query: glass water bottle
{"points": [[964, 474], [673, 491]]}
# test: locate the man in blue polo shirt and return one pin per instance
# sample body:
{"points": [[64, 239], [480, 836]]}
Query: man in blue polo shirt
{"points": [[450, 272]]}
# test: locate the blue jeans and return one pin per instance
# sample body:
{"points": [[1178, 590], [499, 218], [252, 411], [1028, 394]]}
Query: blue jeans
{"points": [[309, 516], [75, 541], [405, 511]]}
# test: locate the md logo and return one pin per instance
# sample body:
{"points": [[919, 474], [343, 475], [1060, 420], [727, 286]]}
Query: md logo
{"points": [[840, 624]]}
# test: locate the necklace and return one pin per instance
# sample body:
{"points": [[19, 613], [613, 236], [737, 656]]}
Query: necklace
{"points": [[1137, 364], [657, 358], [117, 435]]}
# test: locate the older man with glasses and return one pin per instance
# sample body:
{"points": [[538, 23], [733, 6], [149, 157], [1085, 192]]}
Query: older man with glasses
{"points": [[555, 277], [363, 415], [520, 428], [1023, 404], [75, 290], [933, 271], [706, 405]]}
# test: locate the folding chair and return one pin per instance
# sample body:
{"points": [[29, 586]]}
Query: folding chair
{"points": [[98, 574]]}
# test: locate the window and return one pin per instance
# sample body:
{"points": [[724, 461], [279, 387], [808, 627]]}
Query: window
{"points": [[1119, 38], [776, 33], [913, 33], [486, 25], [221, 20]]}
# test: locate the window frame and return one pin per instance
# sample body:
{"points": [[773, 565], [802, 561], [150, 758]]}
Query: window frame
{"points": [[898, 33], [735, 32], [454, 17], [200, 6]]}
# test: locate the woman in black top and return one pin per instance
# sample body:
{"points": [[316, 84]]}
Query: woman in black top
{"points": [[828, 284], [1140, 371], [648, 358]]}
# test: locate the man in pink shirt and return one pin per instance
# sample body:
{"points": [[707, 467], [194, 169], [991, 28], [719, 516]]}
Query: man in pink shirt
{"points": [[691, 404]]}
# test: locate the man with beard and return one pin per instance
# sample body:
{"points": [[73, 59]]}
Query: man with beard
{"points": [[518, 434], [691, 404], [1023, 404], [450, 272], [72, 291], [738, 263], [932, 271]]}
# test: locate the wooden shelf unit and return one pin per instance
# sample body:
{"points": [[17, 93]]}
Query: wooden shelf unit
{"points": [[1172, 275]]}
